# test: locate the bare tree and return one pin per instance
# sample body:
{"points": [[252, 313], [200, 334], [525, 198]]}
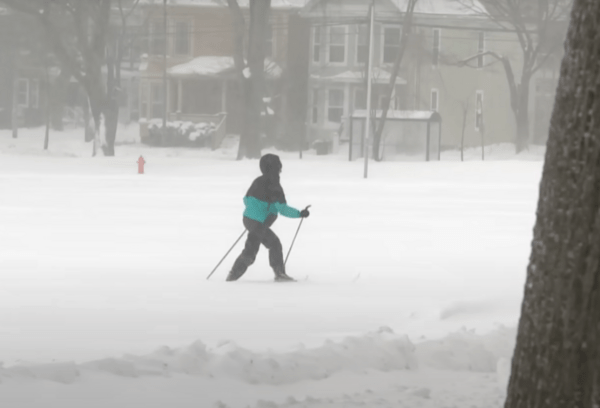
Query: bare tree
{"points": [[557, 357], [535, 24], [406, 33], [251, 75], [116, 45], [78, 31]]}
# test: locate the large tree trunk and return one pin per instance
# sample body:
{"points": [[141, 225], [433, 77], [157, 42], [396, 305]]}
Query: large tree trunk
{"points": [[522, 116], [97, 106], [111, 108], [255, 87], [239, 27], [557, 360], [59, 94]]}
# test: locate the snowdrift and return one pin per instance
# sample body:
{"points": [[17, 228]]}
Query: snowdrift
{"points": [[382, 351]]}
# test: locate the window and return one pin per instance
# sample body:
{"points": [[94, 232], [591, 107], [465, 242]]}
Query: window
{"points": [[182, 38], [360, 98], [157, 38], [479, 110], [315, 106], [435, 102], [157, 100], [34, 94], [23, 92], [437, 33], [362, 44], [335, 105], [391, 44], [269, 41], [337, 44], [481, 50], [317, 41]]}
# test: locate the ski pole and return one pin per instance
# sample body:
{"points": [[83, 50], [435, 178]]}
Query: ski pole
{"points": [[230, 249], [294, 240]]}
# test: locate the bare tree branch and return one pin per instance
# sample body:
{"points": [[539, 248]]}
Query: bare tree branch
{"points": [[406, 33], [510, 76], [533, 29]]}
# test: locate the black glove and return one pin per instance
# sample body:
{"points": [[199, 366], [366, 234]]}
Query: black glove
{"points": [[304, 213]]}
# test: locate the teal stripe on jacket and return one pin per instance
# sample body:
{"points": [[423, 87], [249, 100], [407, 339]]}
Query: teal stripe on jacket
{"points": [[259, 210]]}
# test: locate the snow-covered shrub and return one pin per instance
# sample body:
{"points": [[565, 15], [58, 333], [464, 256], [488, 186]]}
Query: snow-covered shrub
{"points": [[178, 133]]}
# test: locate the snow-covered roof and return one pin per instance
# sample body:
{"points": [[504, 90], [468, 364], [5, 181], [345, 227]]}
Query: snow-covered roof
{"points": [[444, 7], [399, 114], [275, 4], [394, 7], [200, 3], [356, 76], [216, 66], [278, 4]]}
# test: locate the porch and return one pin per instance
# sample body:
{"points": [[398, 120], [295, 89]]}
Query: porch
{"points": [[205, 89]]}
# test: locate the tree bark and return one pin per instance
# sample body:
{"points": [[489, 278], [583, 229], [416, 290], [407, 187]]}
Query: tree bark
{"points": [[111, 108], [557, 357], [259, 19], [239, 27], [59, 91], [522, 116]]}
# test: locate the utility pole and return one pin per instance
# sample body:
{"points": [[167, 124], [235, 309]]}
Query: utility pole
{"points": [[165, 84], [369, 87], [14, 61], [481, 127], [15, 100]]}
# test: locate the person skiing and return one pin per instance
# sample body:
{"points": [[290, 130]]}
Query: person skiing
{"points": [[264, 200]]}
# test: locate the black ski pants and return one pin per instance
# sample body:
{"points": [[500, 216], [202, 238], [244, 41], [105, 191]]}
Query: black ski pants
{"points": [[259, 233]]}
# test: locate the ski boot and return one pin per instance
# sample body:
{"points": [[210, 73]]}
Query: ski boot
{"points": [[233, 276], [281, 276]]}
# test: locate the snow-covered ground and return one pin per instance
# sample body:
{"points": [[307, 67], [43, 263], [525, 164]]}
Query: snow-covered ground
{"points": [[413, 289]]}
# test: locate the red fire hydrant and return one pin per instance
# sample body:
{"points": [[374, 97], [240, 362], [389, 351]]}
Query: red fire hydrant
{"points": [[141, 163]]}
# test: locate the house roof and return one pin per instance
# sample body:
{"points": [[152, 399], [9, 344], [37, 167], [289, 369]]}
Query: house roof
{"points": [[427, 7], [275, 4], [400, 114], [215, 66], [380, 76], [444, 7]]}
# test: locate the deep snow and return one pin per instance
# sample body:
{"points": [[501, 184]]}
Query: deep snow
{"points": [[414, 283]]}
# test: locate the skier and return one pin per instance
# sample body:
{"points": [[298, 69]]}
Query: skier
{"points": [[264, 201]]}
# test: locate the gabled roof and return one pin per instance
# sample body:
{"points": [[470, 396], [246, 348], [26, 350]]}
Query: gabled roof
{"points": [[428, 7], [345, 8], [275, 4], [443, 7], [559, 10]]}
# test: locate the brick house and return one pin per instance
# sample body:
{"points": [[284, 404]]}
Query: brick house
{"points": [[201, 77]]}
